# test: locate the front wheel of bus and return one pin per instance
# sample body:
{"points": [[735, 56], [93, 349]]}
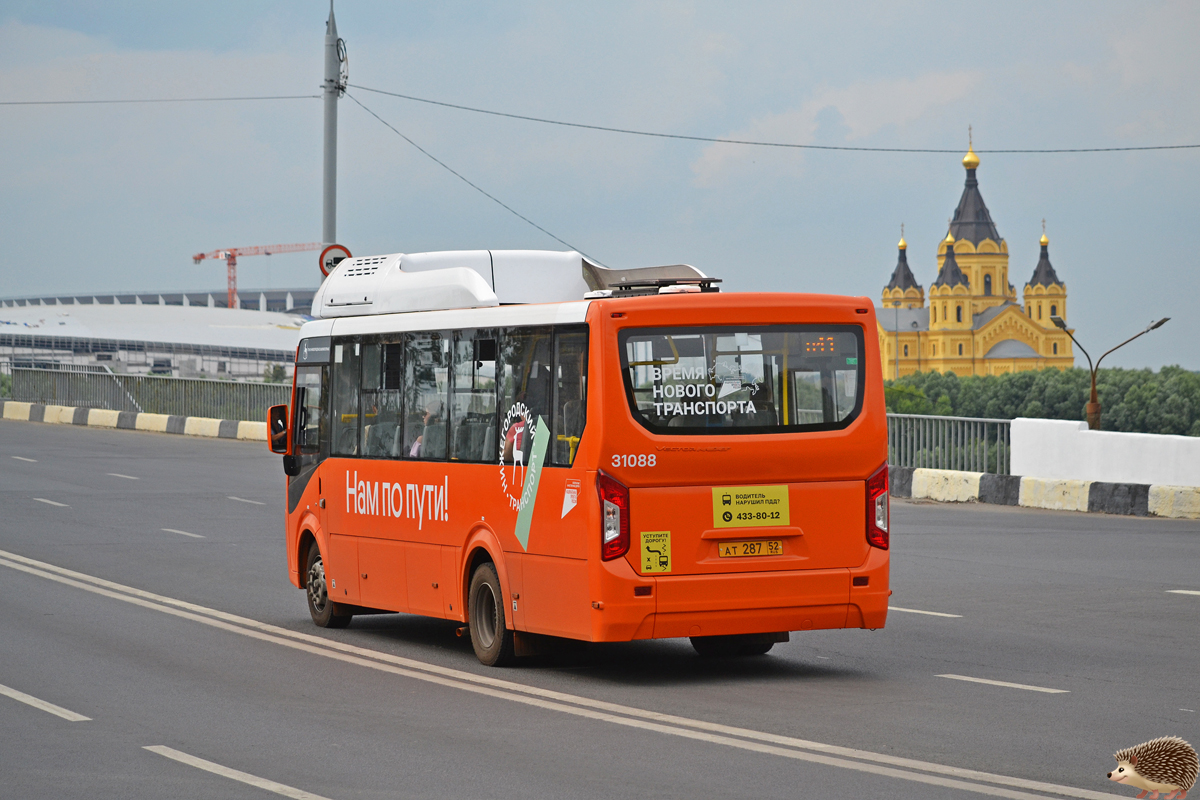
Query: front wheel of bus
{"points": [[324, 611], [490, 636]]}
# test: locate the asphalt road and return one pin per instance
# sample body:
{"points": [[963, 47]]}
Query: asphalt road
{"points": [[201, 646]]}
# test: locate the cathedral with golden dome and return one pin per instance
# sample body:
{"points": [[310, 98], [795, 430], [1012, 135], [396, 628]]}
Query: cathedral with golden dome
{"points": [[974, 323]]}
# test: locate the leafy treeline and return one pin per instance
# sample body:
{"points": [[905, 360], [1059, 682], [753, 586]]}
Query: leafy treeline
{"points": [[1142, 400]]}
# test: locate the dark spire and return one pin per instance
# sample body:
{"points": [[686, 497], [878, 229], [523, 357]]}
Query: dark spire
{"points": [[902, 277], [1043, 273], [951, 275], [972, 221]]}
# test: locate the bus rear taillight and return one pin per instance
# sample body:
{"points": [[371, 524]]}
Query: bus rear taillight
{"points": [[614, 516], [877, 509]]}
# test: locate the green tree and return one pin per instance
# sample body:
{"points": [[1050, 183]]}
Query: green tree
{"points": [[1167, 401]]}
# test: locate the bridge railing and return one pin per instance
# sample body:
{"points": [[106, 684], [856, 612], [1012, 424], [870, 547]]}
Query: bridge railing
{"points": [[964, 443], [99, 387]]}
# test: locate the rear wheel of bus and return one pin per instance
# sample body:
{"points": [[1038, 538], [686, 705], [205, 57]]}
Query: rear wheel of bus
{"points": [[325, 613], [490, 636], [732, 646]]}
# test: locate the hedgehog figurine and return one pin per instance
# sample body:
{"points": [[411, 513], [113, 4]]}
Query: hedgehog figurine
{"points": [[1166, 765]]}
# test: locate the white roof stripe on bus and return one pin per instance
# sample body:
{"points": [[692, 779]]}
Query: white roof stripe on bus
{"points": [[499, 316]]}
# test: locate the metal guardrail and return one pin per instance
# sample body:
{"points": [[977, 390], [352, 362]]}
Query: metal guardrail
{"points": [[99, 387], [963, 443]]}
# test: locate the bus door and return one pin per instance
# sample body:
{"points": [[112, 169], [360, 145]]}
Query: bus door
{"points": [[340, 473], [310, 431], [381, 553]]}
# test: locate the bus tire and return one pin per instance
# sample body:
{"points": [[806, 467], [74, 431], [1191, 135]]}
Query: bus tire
{"points": [[730, 646], [324, 612], [490, 635]]}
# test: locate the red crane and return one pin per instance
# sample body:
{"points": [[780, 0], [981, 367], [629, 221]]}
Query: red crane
{"points": [[230, 257]]}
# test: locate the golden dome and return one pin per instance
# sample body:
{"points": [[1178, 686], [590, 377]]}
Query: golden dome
{"points": [[949, 240], [903, 244], [1044, 240], [970, 160]]}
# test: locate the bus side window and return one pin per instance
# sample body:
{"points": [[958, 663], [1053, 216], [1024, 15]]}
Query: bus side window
{"points": [[381, 400], [570, 395], [426, 383], [473, 397], [347, 356], [525, 356], [312, 422]]}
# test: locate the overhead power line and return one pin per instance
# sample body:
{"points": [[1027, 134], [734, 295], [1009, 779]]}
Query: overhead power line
{"points": [[754, 143], [458, 175], [155, 100]]}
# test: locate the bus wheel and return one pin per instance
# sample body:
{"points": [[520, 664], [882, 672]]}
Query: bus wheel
{"points": [[490, 636], [324, 612], [730, 646]]}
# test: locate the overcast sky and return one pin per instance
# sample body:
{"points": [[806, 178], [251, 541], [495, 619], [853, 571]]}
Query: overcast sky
{"points": [[119, 197]]}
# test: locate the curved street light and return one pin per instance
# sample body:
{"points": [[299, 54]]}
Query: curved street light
{"points": [[1093, 406]]}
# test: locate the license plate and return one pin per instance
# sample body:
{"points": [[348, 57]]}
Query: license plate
{"points": [[768, 547]]}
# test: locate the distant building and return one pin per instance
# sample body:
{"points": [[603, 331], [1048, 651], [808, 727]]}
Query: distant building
{"points": [[974, 323], [185, 341]]}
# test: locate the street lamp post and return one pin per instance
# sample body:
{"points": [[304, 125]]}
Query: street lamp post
{"points": [[1093, 406]]}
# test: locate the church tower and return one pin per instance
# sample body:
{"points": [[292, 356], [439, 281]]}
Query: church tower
{"points": [[981, 253], [1045, 294], [902, 290]]}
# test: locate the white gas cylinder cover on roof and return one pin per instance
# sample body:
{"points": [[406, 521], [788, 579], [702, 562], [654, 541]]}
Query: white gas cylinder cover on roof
{"points": [[452, 279]]}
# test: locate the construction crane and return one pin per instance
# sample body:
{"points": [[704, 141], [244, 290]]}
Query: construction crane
{"points": [[231, 255]]}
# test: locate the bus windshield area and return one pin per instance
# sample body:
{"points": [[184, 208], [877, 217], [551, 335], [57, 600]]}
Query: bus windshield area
{"points": [[713, 380]]}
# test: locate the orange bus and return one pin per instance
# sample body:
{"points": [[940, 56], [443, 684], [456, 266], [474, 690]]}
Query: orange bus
{"points": [[531, 444]]}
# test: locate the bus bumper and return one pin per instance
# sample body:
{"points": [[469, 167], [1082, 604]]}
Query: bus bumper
{"points": [[760, 602]]}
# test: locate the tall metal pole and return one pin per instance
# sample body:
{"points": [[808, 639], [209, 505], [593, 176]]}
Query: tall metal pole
{"points": [[331, 88]]}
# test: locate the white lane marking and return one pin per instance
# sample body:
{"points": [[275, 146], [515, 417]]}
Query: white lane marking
{"points": [[1189, 710], [51, 502], [182, 533], [918, 611], [119, 475], [546, 698], [1006, 684], [233, 774], [22, 458], [244, 500], [1182, 591], [30, 700]]}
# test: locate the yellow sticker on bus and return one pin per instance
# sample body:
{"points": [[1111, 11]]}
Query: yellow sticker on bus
{"points": [[656, 551], [750, 506]]}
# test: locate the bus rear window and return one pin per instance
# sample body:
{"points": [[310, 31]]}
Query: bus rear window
{"points": [[714, 380]]}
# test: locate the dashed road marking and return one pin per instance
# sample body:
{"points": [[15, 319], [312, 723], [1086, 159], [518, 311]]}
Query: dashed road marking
{"points": [[30, 700], [244, 500], [233, 774], [119, 475], [51, 502], [182, 533], [23, 458], [908, 769], [927, 613], [1182, 591], [1006, 684]]}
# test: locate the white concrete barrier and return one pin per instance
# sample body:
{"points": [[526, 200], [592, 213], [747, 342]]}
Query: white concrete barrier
{"points": [[1060, 449], [948, 486]]}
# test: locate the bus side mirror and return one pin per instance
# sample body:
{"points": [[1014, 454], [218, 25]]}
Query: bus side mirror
{"points": [[277, 428], [291, 466]]}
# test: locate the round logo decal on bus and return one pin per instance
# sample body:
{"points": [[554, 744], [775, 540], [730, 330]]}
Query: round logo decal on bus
{"points": [[515, 436]]}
